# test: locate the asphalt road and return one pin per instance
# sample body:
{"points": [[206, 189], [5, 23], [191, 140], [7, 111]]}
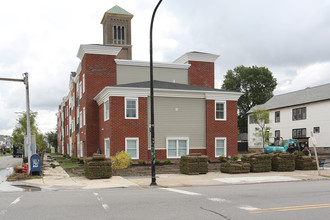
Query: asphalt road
{"points": [[287, 200], [7, 162]]}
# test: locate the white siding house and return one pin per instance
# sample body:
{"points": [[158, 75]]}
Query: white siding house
{"points": [[297, 115]]}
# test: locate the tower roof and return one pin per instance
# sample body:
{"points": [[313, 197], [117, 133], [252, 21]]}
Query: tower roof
{"points": [[118, 10]]}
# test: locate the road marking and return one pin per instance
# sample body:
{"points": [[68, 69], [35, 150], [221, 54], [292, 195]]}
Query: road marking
{"points": [[16, 201], [105, 206], [218, 200], [100, 199], [256, 179], [248, 208], [182, 191], [291, 208]]}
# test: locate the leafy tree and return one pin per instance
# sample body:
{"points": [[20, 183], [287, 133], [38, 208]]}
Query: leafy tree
{"points": [[261, 118], [51, 138], [257, 85], [21, 130]]}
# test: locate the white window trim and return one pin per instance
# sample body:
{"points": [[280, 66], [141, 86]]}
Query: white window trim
{"points": [[84, 116], [224, 108], [106, 139], [225, 146], [177, 150], [137, 107], [83, 83], [73, 125], [80, 90], [81, 148], [137, 146], [80, 119], [105, 110]]}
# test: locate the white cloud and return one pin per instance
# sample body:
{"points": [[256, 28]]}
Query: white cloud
{"points": [[42, 38], [312, 75]]}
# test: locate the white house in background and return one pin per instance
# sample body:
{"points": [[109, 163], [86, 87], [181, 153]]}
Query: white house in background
{"points": [[297, 115]]}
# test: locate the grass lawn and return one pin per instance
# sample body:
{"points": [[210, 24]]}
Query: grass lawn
{"points": [[7, 154], [73, 168]]}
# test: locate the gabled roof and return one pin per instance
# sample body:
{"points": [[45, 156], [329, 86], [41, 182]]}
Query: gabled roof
{"points": [[118, 10], [169, 85], [300, 97]]}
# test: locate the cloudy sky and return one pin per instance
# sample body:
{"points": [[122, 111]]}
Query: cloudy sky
{"points": [[290, 37]]}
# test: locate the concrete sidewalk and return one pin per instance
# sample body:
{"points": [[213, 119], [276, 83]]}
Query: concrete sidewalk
{"points": [[57, 179]]}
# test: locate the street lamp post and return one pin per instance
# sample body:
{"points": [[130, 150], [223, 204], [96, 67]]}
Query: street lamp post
{"points": [[152, 129], [25, 80]]}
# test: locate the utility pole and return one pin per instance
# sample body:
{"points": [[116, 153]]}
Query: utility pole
{"points": [[25, 80], [152, 129]]}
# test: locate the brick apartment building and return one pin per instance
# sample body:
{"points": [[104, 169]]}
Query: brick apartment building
{"points": [[107, 107]]}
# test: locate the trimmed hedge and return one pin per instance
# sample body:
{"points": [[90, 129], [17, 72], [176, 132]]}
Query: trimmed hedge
{"points": [[194, 164], [234, 167], [258, 162], [98, 167]]}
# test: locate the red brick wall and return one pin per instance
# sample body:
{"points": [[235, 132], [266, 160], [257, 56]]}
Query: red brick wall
{"points": [[100, 71], [120, 128], [226, 128], [201, 74]]}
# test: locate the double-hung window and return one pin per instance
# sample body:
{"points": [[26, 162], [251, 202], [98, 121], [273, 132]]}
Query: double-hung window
{"points": [[298, 114], [84, 116], [107, 147], [83, 83], [277, 116], [80, 89], [177, 147], [131, 108], [80, 119], [106, 110], [132, 147], [220, 110], [299, 133], [220, 146]]}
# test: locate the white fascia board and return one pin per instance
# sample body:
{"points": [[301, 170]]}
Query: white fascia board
{"points": [[114, 91], [195, 56], [232, 96], [145, 92], [97, 49], [147, 64]]}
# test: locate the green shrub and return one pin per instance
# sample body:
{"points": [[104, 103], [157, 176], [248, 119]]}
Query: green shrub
{"points": [[48, 150], [235, 158], [222, 159], [74, 158], [167, 162], [122, 160], [157, 161], [141, 162]]}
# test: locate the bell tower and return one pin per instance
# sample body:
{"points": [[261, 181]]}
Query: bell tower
{"points": [[117, 31]]}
